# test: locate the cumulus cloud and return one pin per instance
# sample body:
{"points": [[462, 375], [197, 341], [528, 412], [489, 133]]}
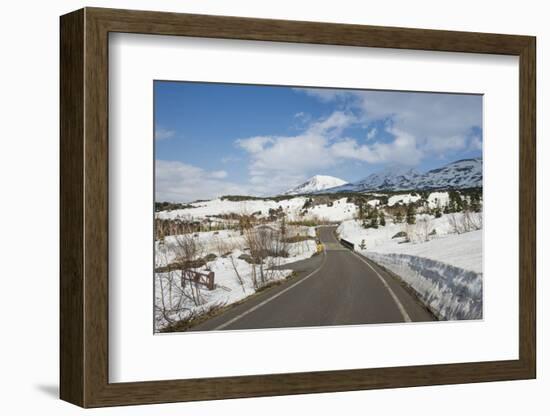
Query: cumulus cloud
{"points": [[181, 182], [432, 118], [401, 151], [254, 144], [279, 162]]}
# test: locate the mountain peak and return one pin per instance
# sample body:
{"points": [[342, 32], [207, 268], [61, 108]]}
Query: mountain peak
{"points": [[315, 184]]}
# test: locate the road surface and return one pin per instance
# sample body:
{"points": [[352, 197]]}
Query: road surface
{"points": [[337, 287]]}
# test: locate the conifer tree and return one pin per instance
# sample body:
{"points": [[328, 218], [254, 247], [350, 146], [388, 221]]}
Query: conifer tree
{"points": [[411, 214], [398, 217]]}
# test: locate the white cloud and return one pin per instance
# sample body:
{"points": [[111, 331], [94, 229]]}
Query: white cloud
{"points": [[218, 174], [333, 125], [163, 134], [401, 151], [415, 126], [181, 182], [475, 143], [276, 163], [372, 133], [440, 146], [254, 144], [439, 122]]}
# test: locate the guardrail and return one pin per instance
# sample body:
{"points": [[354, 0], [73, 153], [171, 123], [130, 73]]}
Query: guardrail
{"points": [[347, 244]]}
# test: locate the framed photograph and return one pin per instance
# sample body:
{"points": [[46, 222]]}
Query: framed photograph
{"points": [[255, 207]]}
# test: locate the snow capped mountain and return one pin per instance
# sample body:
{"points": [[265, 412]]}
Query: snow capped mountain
{"points": [[465, 173], [315, 184], [396, 178]]}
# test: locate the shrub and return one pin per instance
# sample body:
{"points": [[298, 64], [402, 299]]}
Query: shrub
{"points": [[400, 234]]}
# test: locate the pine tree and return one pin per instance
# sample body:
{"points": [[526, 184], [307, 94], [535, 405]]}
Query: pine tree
{"points": [[373, 222], [411, 214], [398, 217], [363, 245], [382, 219], [437, 211]]}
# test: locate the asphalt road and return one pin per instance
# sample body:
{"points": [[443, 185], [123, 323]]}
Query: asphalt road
{"points": [[337, 287]]}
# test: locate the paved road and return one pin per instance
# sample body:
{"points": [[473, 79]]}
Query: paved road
{"points": [[337, 287]]}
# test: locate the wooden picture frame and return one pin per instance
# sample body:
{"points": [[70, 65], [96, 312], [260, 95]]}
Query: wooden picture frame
{"points": [[84, 207]]}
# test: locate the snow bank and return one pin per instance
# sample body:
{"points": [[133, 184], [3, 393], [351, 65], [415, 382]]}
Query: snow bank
{"points": [[451, 292], [403, 198], [445, 272]]}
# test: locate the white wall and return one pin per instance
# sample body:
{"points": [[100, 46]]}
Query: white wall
{"points": [[29, 217]]}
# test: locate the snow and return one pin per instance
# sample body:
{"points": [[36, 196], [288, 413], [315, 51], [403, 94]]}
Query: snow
{"points": [[450, 292], [465, 173], [177, 304], [445, 271], [227, 290], [403, 198], [339, 210], [436, 199], [215, 242], [224, 206], [460, 250], [315, 184]]}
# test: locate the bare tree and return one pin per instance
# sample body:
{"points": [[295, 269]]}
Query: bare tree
{"points": [[457, 226], [424, 227], [267, 246], [465, 221], [237, 274]]}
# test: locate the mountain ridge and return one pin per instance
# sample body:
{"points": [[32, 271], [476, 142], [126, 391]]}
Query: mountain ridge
{"points": [[460, 174], [463, 173]]}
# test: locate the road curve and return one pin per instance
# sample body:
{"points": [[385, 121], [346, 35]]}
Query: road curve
{"points": [[338, 287]]}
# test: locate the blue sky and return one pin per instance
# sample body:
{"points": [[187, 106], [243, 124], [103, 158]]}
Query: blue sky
{"points": [[219, 139]]}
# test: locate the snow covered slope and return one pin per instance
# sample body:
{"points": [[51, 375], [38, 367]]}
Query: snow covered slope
{"points": [[465, 173], [388, 179], [315, 184], [338, 210]]}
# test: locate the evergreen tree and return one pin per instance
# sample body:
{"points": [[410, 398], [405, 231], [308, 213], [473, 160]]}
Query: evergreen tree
{"points": [[363, 245], [398, 217], [373, 222], [382, 219], [411, 214], [475, 204]]}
